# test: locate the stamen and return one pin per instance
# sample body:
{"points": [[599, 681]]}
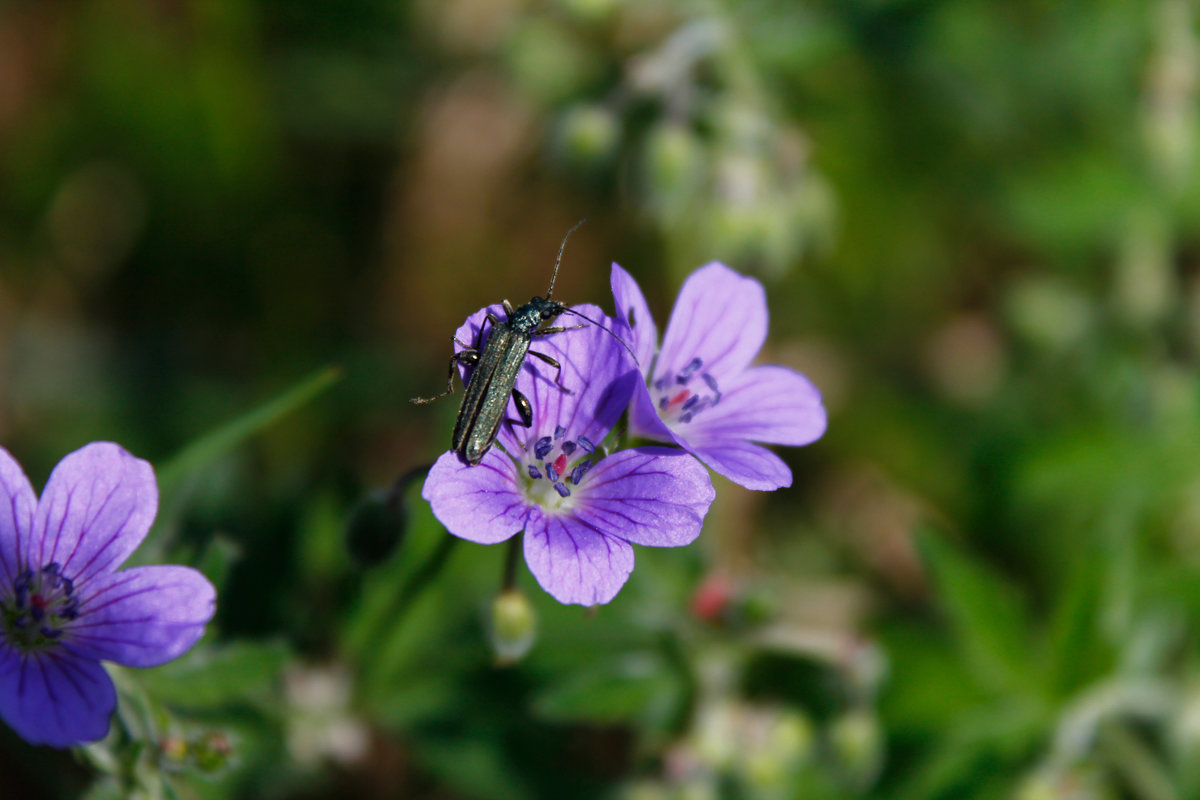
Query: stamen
{"points": [[586, 444], [559, 431], [551, 475], [562, 490], [686, 373], [691, 401], [568, 447], [711, 381], [533, 472], [543, 447], [579, 471]]}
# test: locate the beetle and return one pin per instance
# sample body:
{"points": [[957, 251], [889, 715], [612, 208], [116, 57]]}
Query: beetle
{"points": [[497, 365]]}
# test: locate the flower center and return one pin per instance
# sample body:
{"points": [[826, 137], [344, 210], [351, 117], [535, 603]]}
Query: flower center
{"points": [[555, 464], [679, 400], [41, 604]]}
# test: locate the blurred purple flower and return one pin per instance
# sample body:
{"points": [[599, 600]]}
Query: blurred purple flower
{"points": [[64, 606], [700, 391], [580, 509]]}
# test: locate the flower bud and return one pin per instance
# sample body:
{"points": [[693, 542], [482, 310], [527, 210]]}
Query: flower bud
{"points": [[212, 751], [589, 135], [1049, 313], [674, 166], [377, 525], [856, 739], [514, 626], [589, 10]]}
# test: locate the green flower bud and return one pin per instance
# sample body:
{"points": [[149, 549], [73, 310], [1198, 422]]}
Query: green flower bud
{"points": [[589, 135], [856, 739], [674, 168], [514, 626], [1049, 313]]}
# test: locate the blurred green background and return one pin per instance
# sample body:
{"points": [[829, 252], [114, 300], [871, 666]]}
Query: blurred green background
{"points": [[236, 235]]}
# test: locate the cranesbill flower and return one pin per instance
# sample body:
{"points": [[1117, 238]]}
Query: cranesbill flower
{"points": [[64, 605], [580, 508], [700, 391]]}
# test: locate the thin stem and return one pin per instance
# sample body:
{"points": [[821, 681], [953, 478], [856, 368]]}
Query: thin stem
{"points": [[510, 563]]}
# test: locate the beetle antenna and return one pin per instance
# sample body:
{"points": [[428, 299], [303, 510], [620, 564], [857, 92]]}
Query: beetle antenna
{"points": [[606, 330], [558, 260]]}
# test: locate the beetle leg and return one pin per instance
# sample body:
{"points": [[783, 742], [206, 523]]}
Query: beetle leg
{"points": [[556, 329], [524, 409], [469, 356], [557, 366], [508, 308]]}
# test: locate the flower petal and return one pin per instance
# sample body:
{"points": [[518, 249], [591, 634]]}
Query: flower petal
{"points": [[97, 507], [574, 563], [142, 617], [52, 698], [654, 496], [479, 503], [769, 404], [744, 463], [17, 504], [633, 315], [719, 317]]}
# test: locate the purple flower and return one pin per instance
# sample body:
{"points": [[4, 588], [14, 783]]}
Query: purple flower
{"points": [[701, 392], [64, 606], [580, 509]]}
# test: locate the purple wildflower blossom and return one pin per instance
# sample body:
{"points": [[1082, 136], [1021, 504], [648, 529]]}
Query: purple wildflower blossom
{"points": [[701, 392], [580, 509], [64, 606]]}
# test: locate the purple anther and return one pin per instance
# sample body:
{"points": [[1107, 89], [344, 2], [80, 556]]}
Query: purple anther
{"points": [[51, 568], [542, 447], [711, 381], [551, 473], [586, 444], [68, 586], [579, 471], [533, 472], [686, 417], [50, 633], [37, 612], [562, 490], [559, 431], [686, 373], [691, 401], [663, 402], [568, 447]]}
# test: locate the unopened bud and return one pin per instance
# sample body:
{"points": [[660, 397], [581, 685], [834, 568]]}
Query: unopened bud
{"points": [[589, 135], [514, 626], [211, 751], [378, 523], [174, 747], [856, 739]]}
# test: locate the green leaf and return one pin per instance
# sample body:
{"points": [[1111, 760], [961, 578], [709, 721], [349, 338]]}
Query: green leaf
{"points": [[631, 688], [211, 677], [475, 768], [216, 443], [987, 614]]}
